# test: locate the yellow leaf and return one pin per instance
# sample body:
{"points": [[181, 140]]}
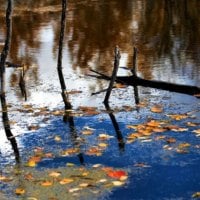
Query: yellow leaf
{"points": [[54, 174], [196, 195], [104, 136], [66, 181], [178, 117], [31, 163], [87, 132], [84, 185], [5, 179], [102, 145], [46, 183], [118, 183], [19, 191], [57, 138], [70, 164]]}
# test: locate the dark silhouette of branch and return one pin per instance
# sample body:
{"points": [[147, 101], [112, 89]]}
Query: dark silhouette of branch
{"points": [[60, 54], [116, 127], [135, 81], [70, 119], [114, 74], [4, 54], [22, 83]]}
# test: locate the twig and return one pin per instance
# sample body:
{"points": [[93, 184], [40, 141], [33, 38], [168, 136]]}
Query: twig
{"points": [[114, 74]]}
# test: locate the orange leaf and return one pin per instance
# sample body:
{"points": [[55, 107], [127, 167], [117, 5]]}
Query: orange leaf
{"points": [[46, 183], [66, 181], [19, 191], [116, 174], [156, 109]]}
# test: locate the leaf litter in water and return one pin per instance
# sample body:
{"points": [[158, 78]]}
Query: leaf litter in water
{"points": [[66, 183]]}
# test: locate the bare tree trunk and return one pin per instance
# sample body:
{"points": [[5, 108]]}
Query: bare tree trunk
{"points": [[60, 55], [4, 55], [114, 74]]}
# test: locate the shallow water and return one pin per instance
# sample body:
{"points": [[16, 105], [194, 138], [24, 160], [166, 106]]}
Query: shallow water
{"points": [[166, 34]]}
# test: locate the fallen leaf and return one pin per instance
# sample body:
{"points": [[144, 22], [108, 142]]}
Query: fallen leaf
{"points": [[70, 164], [104, 136], [118, 183], [19, 191], [87, 132], [103, 145], [5, 179], [156, 109], [66, 181], [196, 195], [74, 189], [57, 138], [196, 131], [178, 116], [46, 183], [54, 174], [116, 174], [84, 185], [170, 140]]}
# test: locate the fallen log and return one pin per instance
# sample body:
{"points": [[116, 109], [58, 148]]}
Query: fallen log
{"points": [[172, 87]]}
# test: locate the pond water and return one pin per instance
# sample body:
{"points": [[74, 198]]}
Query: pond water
{"points": [[166, 34]]}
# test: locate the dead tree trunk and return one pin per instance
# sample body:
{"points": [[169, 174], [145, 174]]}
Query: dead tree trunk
{"points": [[114, 74], [60, 55], [4, 54]]}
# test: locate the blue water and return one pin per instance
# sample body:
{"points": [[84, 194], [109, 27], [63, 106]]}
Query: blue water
{"points": [[167, 174]]}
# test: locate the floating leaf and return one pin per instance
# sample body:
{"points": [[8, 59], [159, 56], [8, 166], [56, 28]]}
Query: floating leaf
{"points": [[156, 109], [196, 195], [33, 127], [28, 176], [141, 165], [103, 145], [70, 151], [74, 189], [57, 138], [94, 151], [170, 140], [31, 163], [118, 183], [54, 174], [84, 185], [66, 181], [70, 164], [116, 174], [196, 131], [104, 136], [96, 165], [87, 132], [5, 179], [178, 117], [46, 183], [19, 191]]}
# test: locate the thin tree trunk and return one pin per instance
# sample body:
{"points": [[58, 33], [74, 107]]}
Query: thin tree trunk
{"points": [[4, 54], [60, 55]]}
